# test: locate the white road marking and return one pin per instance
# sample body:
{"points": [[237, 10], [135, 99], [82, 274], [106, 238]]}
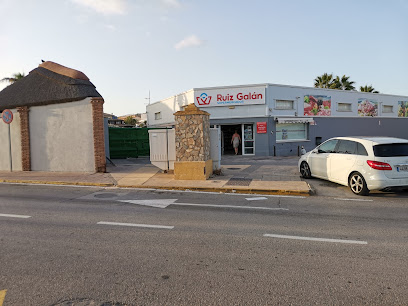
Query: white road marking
{"points": [[163, 203], [360, 200], [229, 206], [159, 203], [136, 225], [15, 216], [234, 194], [256, 199], [316, 239]]}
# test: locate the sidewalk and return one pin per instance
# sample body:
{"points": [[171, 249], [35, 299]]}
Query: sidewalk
{"points": [[239, 174]]}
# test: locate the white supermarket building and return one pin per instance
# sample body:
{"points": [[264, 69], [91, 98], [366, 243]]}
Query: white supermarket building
{"points": [[276, 120]]}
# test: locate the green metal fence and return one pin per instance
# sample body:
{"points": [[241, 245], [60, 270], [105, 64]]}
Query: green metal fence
{"points": [[128, 142]]}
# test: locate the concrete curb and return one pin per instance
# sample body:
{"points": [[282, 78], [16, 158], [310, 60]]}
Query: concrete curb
{"points": [[57, 183], [282, 192], [226, 190]]}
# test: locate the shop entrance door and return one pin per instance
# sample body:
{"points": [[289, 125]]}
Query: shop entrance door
{"points": [[226, 135], [248, 139]]}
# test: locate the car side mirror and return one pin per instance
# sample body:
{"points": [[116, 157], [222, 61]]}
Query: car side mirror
{"points": [[320, 151]]}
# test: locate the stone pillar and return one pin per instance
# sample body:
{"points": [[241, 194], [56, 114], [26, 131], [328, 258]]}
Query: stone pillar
{"points": [[192, 144], [98, 134], [25, 138]]}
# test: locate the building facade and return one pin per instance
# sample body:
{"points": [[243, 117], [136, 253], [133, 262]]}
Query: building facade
{"points": [[276, 120], [58, 122]]}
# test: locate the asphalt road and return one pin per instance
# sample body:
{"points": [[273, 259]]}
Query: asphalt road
{"points": [[89, 246]]}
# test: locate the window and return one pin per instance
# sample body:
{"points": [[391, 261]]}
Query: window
{"points": [[347, 147], [391, 150], [328, 146], [291, 131], [388, 109], [351, 147], [283, 104], [248, 139], [157, 116], [361, 150], [344, 107]]}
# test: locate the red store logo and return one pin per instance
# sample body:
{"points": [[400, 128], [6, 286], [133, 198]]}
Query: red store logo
{"points": [[203, 99]]}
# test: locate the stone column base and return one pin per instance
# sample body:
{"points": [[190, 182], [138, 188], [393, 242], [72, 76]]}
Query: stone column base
{"points": [[193, 170]]}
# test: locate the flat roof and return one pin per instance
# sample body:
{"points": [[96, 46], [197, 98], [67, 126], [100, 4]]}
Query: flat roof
{"points": [[278, 85], [295, 86]]}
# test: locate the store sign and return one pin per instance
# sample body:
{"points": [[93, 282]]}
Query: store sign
{"points": [[230, 96], [261, 127]]}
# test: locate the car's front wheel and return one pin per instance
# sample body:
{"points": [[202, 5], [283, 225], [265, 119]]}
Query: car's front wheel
{"points": [[305, 170], [358, 184]]}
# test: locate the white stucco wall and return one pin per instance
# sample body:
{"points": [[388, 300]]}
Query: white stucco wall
{"points": [[167, 108], [296, 93], [274, 92], [61, 137], [15, 144]]}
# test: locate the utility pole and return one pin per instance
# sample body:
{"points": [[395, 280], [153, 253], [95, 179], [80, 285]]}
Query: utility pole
{"points": [[148, 97]]}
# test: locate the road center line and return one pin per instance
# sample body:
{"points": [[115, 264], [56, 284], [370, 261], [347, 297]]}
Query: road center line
{"points": [[360, 200], [15, 216], [136, 225], [315, 239]]}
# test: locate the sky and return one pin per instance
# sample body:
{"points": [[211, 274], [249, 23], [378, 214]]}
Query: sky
{"points": [[129, 48]]}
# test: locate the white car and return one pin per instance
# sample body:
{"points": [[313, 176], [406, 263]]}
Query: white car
{"points": [[363, 163]]}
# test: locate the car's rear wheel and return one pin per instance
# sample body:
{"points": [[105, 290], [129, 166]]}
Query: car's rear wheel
{"points": [[358, 184], [305, 170]]}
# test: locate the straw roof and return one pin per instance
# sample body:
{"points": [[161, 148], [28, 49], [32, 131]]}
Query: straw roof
{"points": [[50, 83]]}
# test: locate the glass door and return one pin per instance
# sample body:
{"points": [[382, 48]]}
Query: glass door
{"points": [[248, 142]]}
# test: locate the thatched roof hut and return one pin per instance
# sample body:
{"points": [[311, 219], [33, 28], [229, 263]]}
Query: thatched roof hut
{"points": [[50, 83]]}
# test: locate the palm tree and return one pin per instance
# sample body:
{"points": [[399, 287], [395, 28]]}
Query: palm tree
{"points": [[324, 81], [15, 77], [368, 88], [343, 83]]}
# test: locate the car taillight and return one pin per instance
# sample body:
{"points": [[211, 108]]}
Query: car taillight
{"points": [[379, 165]]}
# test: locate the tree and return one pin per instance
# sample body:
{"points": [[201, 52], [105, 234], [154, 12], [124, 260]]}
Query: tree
{"points": [[327, 81], [368, 88], [130, 120], [343, 83], [15, 77], [324, 81]]}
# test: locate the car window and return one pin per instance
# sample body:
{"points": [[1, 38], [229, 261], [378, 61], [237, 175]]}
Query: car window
{"points": [[347, 147], [391, 150], [328, 146], [361, 150]]}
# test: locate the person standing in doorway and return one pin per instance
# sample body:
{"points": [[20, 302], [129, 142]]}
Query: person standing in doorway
{"points": [[236, 140]]}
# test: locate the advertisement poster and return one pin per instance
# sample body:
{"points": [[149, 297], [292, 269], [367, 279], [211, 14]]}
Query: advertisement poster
{"points": [[261, 127], [248, 132], [317, 106], [284, 134], [402, 108], [367, 108]]}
